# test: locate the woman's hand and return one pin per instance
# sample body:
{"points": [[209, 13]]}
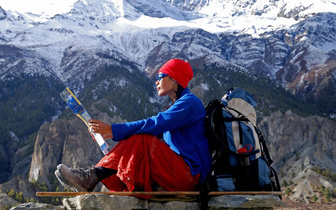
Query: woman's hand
{"points": [[104, 129]]}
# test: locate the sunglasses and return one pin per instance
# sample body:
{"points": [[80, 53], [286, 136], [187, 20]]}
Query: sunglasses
{"points": [[160, 76]]}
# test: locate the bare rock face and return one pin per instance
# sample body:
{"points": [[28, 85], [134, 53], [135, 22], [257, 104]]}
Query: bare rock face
{"points": [[37, 206], [289, 135], [68, 142], [62, 141], [6, 201], [299, 146], [19, 184], [104, 202]]}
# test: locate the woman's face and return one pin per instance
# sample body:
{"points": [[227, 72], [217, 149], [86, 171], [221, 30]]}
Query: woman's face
{"points": [[166, 86]]}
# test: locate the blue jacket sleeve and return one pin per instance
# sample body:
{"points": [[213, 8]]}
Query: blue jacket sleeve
{"points": [[180, 114]]}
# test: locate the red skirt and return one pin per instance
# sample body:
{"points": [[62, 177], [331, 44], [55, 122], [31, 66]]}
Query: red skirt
{"points": [[144, 159]]}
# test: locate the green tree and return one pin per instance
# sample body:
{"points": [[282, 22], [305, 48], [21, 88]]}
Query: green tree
{"points": [[288, 191], [296, 155], [327, 195], [327, 173], [284, 183], [19, 197], [318, 170], [293, 174], [315, 198], [11, 193], [322, 188]]}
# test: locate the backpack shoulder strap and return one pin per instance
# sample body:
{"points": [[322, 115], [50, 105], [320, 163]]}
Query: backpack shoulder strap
{"points": [[219, 148], [264, 146], [212, 121]]}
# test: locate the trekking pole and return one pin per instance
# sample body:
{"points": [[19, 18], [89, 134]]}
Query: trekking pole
{"points": [[195, 193]]}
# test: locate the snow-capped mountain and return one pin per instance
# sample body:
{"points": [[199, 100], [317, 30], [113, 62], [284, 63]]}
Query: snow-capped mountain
{"points": [[290, 42]]}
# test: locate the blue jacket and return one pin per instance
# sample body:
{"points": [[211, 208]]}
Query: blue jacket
{"points": [[183, 129]]}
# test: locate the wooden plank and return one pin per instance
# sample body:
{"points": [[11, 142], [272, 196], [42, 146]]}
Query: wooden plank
{"points": [[196, 193]]}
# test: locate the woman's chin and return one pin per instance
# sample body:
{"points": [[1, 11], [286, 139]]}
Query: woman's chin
{"points": [[160, 93]]}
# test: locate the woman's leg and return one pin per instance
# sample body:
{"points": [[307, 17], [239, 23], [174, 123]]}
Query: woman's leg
{"points": [[143, 160], [133, 164], [102, 173]]}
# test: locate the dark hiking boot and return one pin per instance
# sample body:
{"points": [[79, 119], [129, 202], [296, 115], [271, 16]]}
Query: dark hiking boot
{"points": [[82, 180]]}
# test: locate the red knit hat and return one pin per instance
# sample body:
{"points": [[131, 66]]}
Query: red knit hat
{"points": [[179, 70]]}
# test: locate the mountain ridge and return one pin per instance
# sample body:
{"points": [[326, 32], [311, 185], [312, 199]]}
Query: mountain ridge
{"points": [[86, 28]]}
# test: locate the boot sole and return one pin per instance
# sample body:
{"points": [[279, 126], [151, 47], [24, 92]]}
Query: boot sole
{"points": [[59, 176]]}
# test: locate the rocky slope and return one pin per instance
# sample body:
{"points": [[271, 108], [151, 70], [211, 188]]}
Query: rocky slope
{"points": [[299, 146], [67, 142]]}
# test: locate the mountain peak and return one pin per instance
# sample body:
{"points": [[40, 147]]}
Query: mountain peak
{"points": [[2, 13], [242, 16]]}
